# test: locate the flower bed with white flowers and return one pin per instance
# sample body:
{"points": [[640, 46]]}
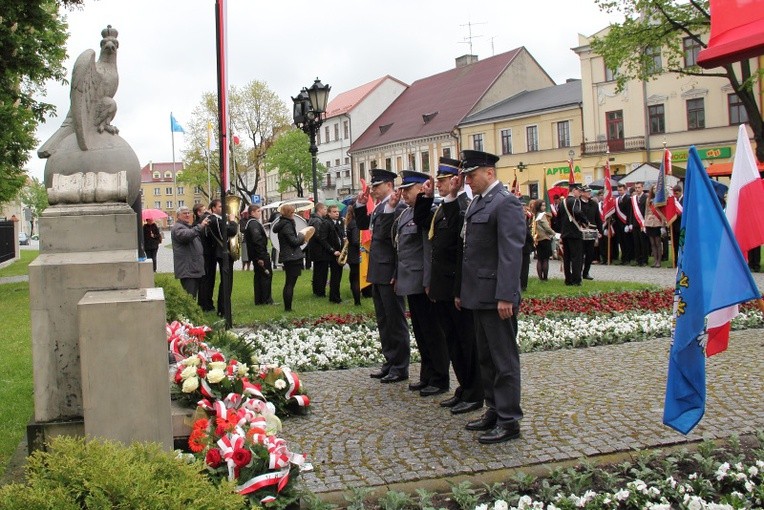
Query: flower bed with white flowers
{"points": [[346, 343]]}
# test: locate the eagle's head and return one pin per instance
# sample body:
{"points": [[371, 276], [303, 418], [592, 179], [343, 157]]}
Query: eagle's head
{"points": [[109, 43]]}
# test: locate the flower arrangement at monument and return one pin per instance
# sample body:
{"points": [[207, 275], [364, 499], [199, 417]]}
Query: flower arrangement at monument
{"points": [[237, 439], [203, 372]]}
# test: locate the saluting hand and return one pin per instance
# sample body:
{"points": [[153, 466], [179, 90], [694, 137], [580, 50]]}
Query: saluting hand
{"points": [[395, 198], [428, 188], [363, 197], [456, 184]]}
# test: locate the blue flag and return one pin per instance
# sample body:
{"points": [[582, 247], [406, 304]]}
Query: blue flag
{"points": [[711, 274], [175, 126], [661, 194]]}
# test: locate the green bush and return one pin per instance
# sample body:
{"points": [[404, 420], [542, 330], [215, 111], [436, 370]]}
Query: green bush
{"points": [[178, 302], [101, 475]]}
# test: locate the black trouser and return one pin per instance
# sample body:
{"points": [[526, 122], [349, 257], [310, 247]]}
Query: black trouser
{"points": [[641, 245], [459, 330], [525, 266], [152, 254], [191, 285], [589, 252], [320, 272], [754, 259], [207, 284], [625, 241], [292, 271], [393, 329], [573, 259], [335, 279], [355, 282], [430, 342], [262, 278], [226, 276], [499, 364]]}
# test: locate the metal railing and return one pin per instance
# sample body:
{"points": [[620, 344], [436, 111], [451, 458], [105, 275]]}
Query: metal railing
{"points": [[617, 145]]}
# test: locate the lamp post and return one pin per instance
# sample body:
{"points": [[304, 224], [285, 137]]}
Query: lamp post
{"points": [[308, 114]]}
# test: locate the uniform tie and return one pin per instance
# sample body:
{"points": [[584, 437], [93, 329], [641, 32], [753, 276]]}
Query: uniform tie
{"points": [[435, 219]]}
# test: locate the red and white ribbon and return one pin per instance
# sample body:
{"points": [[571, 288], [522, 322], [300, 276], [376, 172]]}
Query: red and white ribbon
{"points": [[637, 212], [294, 387]]}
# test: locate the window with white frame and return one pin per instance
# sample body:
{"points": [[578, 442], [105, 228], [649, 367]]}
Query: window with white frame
{"points": [[532, 138], [477, 142], [506, 141], [563, 134]]}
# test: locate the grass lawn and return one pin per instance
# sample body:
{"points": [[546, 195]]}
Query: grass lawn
{"points": [[16, 390]]}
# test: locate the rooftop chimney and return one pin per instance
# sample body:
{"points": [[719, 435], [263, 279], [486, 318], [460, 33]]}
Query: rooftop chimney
{"points": [[466, 60]]}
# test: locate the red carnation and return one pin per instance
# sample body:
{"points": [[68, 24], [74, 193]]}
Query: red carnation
{"points": [[241, 457], [177, 375], [201, 372], [213, 458], [217, 357]]}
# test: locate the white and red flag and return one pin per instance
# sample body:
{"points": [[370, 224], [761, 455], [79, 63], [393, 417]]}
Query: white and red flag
{"points": [[746, 218], [571, 176]]}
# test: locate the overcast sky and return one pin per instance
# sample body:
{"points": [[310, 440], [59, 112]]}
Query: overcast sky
{"points": [[167, 49]]}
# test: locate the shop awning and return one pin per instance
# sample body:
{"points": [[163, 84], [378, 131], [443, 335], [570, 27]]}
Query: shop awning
{"points": [[737, 32]]}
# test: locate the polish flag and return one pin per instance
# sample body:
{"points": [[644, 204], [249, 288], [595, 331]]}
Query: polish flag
{"points": [[744, 199], [571, 175]]}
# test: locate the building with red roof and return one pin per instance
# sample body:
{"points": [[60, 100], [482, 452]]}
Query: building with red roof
{"points": [[422, 124], [161, 190]]}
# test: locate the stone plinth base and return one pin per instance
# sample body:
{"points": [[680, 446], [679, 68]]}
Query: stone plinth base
{"points": [[123, 352], [57, 282], [39, 434], [88, 228]]}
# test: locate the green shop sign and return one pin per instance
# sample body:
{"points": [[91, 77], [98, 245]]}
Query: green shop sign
{"points": [[713, 153], [562, 170]]}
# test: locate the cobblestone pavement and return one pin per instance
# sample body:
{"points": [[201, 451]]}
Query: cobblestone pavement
{"points": [[581, 402]]}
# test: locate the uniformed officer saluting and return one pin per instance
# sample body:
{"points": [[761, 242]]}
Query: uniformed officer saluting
{"points": [[494, 235]]}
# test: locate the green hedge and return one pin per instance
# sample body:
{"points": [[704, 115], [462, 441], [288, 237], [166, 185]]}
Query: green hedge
{"points": [[179, 303]]}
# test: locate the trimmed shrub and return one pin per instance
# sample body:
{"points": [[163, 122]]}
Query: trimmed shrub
{"points": [[102, 475], [179, 303]]}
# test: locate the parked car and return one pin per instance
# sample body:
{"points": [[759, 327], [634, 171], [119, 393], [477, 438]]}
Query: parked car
{"points": [[23, 238]]}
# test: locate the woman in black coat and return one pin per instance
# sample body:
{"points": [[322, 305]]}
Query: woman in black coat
{"points": [[353, 235], [290, 254], [152, 237]]}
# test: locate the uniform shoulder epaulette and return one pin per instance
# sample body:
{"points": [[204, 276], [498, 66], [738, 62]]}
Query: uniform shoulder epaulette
{"points": [[504, 192]]}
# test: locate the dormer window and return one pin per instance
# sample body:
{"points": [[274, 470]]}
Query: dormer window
{"points": [[157, 175], [168, 175], [427, 117], [384, 128]]}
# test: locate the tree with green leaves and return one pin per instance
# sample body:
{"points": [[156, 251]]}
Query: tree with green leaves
{"points": [[254, 110], [35, 197], [290, 156], [628, 47]]}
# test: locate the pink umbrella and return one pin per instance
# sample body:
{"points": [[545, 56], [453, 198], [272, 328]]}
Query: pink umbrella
{"points": [[153, 214]]}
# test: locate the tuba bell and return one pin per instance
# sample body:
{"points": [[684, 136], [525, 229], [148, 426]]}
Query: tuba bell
{"points": [[232, 206]]}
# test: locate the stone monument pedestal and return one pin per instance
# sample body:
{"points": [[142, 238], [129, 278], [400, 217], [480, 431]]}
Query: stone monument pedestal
{"points": [[89, 249]]}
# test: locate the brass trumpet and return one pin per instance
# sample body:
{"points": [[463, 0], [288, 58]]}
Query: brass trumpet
{"points": [[232, 206], [342, 258]]}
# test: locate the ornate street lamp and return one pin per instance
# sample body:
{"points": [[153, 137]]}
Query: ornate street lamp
{"points": [[308, 114]]}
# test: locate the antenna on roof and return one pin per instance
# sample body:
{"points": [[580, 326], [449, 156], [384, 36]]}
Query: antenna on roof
{"points": [[470, 37], [492, 50]]}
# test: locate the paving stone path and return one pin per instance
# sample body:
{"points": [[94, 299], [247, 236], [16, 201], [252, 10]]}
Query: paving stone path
{"points": [[577, 403]]}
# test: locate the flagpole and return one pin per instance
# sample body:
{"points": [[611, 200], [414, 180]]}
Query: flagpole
{"points": [[610, 237], [671, 240], [174, 175]]}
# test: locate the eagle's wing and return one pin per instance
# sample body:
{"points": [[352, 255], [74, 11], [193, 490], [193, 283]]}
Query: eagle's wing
{"points": [[86, 82]]}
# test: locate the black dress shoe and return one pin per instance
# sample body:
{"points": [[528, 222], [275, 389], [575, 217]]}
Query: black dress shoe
{"points": [[416, 386], [485, 422], [587, 277], [393, 378], [429, 391], [378, 375], [500, 433], [450, 402], [466, 407]]}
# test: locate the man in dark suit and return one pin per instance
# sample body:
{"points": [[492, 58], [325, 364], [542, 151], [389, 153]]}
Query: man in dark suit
{"points": [[494, 234], [591, 211], [412, 246], [676, 223], [320, 250], [638, 232], [388, 307], [221, 229], [257, 248], [335, 237], [622, 226], [207, 282], [444, 226], [571, 219]]}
